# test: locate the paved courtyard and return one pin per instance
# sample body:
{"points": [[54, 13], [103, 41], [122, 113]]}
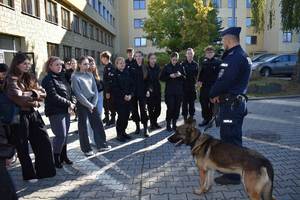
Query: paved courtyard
{"points": [[154, 169]]}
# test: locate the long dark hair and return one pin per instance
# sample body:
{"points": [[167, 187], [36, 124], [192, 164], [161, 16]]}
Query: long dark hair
{"points": [[144, 68], [27, 78]]}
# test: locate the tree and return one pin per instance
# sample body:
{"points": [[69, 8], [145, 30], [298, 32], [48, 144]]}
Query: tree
{"points": [[179, 24], [290, 20]]}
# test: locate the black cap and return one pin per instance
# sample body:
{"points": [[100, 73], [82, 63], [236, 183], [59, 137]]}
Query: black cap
{"points": [[231, 31]]}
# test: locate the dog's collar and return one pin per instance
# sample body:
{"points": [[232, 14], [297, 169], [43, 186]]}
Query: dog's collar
{"points": [[194, 141]]}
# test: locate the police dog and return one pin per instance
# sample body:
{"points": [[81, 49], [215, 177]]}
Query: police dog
{"points": [[211, 154]]}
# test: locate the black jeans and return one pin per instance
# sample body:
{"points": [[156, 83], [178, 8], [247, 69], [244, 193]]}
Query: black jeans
{"points": [[139, 102], [173, 106], [188, 104], [123, 110], [154, 108], [206, 105], [32, 129], [7, 188], [85, 114], [109, 107]]}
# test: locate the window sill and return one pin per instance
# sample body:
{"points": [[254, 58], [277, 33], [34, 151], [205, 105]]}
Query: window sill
{"points": [[66, 28], [30, 15], [7, 6], [54, 23]]}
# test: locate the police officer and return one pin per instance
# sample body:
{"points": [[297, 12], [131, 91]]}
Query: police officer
{"points": [[190, 68], [230, 92], [173, 75], [108, 75], [207, 77], [130, 61], [123, 90], [139, 75]]}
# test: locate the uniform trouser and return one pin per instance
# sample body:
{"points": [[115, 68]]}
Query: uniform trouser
{"points": [[123, 110], [32, 129], [109, 107], [188, 104], [139, 103], [154, 108], [95, 121], [173, 106], [232, 116], [206, 105], [60, 124], [7, 188]]}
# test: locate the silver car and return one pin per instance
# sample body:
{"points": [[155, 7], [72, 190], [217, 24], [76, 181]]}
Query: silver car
{"points": [[282, 64]]}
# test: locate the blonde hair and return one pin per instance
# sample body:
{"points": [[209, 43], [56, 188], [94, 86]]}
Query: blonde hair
{"points": [[118, 59], [93, 70], [49, 62]]}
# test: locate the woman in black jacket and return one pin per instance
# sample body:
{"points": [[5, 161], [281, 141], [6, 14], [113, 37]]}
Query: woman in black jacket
{"points": [[58, 103], [153, 91], [173, 75]]}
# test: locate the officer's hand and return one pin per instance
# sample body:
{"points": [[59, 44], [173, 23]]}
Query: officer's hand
{"points": [[147, 94], [107, 95], [215, 100], [173, 75]]}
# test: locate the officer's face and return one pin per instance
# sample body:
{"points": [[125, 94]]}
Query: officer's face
{"points": [[174, 60], [225, 42], [209, 54]]}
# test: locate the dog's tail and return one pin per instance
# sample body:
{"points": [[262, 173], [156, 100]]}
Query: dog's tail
{"points": [[268, 171]]}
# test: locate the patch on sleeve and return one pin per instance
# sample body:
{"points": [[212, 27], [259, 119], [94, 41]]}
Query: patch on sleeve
{"points": [[221, 72], [227, 121], [224, 65]]}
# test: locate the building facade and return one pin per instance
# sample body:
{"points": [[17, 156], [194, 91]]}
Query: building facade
{"points": [[67, 29]]}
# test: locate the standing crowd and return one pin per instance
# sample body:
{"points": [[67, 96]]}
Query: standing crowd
{"points": [[130, 88]]}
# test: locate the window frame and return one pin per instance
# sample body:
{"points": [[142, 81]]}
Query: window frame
{"points": [[35, 6], [77, 25], [139, 4], [141, 23], [63, 10], [84, 27], [49, 47], [52, 12], [286, 38], [12, 6], [252, 38], [140, 42], [68, 48]]}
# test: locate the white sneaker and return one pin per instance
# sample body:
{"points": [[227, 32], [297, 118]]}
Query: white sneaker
{"points": [[33, 180], [107, 148], [90, 153]]}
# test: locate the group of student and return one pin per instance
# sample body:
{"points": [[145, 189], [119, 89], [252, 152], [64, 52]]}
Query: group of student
{"points": [[129, 86]]}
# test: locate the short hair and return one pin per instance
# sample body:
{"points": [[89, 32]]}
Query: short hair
{"points": [[105, 54], [174, 54], [129, 50], [209, 48], [191, 49], [118, 59], [3, 67], [140, 52], [233, 37]]}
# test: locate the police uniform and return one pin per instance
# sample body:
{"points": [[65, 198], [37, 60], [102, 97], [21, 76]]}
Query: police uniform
{"points": [[122, 85], [207, 76], [231, 87], [108, 104], [173, 92], [154, 101], [188, 104], [139, 98]]}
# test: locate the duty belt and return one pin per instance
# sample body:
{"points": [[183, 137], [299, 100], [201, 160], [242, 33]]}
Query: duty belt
{"points": [[229, 98]]}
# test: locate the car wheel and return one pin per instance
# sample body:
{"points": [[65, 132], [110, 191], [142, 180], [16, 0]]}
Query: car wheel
{"points": [[266, 72]]}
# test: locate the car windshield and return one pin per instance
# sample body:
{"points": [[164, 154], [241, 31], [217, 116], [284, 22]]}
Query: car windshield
{"points": [[267, 59], [261, 57]]}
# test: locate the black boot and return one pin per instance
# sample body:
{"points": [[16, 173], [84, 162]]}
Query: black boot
{"points": [[121, 138], [63, 157], [137, 129], [174, 126], [106, 119], [169, 126], [126, 136], [146, 130], [57, 161], [185, 119]]}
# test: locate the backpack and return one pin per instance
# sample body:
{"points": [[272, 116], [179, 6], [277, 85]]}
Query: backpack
{"points": [[9, 111]]}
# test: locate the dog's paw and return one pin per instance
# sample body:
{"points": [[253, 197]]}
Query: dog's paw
{"points": [[199, 191]]}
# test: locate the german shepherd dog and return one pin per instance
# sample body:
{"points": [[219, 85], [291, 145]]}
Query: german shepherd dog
{"points": [[212, 154]]}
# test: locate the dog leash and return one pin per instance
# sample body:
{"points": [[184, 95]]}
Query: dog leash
{"points": [[213, 119]]}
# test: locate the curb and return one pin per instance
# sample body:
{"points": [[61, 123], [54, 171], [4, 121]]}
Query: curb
{"points": [[274, 97]]}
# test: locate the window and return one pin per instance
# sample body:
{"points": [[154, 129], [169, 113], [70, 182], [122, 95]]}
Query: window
{"points": [[76, 24], [85, 52], [139, 23], [248, 22], [111, 19], [107, 16], [94, 4], [65, 18], [216, 3], [284, 58], [67, 52], [97, 35], [104, 12], [231, 22], [92, 32], [105, 38], [9, 3], [251, 40], [248, 3], [93, 54], [100, 8], [293, 58], [230, 3], [139, 4], [77, 53], [102, 37], [84, 28], [52, 49], [140, 42], [114, 23], [287, 37], [30, 7], [51, 11]]}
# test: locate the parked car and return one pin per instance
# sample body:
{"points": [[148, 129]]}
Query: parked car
{"points": [[282, 64], [261, 57]]}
